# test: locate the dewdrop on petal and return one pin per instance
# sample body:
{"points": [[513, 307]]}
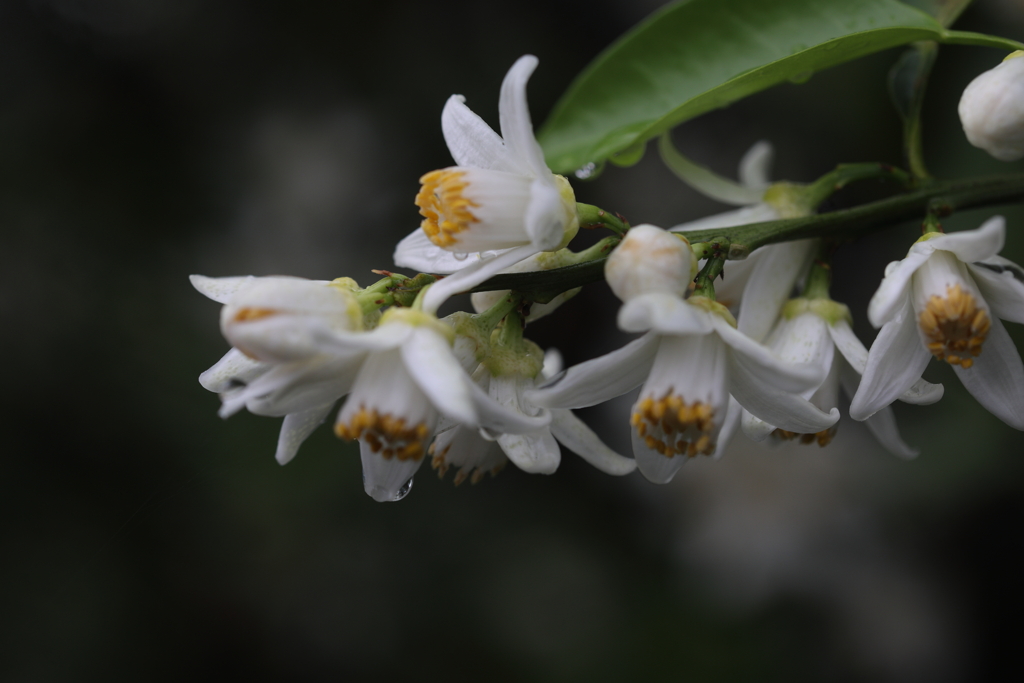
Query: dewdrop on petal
{"points": [[650, 259], [992, 109]]}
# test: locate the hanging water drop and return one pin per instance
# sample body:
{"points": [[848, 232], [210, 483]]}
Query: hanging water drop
{"points": [[460, 256], [589, 170], [403, 491]]}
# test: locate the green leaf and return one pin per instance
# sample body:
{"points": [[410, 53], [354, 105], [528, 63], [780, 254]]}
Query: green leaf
{"points": [[698, 55]]}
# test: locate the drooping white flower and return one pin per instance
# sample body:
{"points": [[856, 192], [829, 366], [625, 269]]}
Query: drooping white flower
{"points": [[944, 301], [992, 109], [507, 377], [690, 361], [811, 331], [285, 359], [499, 205], [410, 378], [755, 288]]}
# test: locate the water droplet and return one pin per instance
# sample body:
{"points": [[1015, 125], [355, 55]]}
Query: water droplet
{"points": [[589, 170], [801, 77], [403, 491], [460, 257]]}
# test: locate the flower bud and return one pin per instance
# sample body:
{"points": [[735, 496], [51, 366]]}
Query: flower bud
{"points": [[992, 110], [650, 259]]}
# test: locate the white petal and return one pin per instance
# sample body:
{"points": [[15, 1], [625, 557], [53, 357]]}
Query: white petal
{"points": [[705, 181], [771, 284], [232, 370], [974, 245], [297, 387], [758, 361], [418, 252], [600, 379], [1001, 282], [653, 465], [849, 345], [996, 379], [755, 428], [504, 411], [895, 362], [729, 425], [536, 452], [465, 449], [581, 440], [514, 115], [664, 313], [296, 428], [471, 142], [472, 275], [758, 213], [895, 286], [774, 405], [386, 336], [920, 392], [220, 289], [756, 165], [883, 423], [386, 480], [434, 368], [545, 216]]}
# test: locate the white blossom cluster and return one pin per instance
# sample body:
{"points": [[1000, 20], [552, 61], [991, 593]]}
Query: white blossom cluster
{"points": [[768, 353]]}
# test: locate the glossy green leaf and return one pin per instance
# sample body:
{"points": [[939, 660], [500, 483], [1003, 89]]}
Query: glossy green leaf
{"points": [[698, 55]]}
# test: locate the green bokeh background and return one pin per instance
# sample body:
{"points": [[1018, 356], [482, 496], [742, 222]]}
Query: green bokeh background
{"points": [[146, 539]]}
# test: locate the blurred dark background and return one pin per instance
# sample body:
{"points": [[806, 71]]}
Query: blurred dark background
{"points": [[146, 539]]}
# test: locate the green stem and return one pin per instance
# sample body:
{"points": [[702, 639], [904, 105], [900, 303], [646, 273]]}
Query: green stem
{"points": [[705, 280], [512, 332], [819, 281], [844, 174], [595, 217], [954, 194], [490, 318]]}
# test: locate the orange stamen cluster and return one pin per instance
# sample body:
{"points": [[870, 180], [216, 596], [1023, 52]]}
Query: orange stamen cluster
{"points": [[955, 327], [672, 427], [445, 209], [822, 438], [385, 434], [475, 475]]}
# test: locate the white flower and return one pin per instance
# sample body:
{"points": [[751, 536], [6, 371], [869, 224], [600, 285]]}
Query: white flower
{"points": [[757, 287], [499, 205], [690, 361], [811, 331], [535, 452], [992, 110], [944, 300], [410, 378], [650, 259], [285, 360]]}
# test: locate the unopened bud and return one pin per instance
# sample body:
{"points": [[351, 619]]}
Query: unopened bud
{"points": [[992, 110], [650, 259]]}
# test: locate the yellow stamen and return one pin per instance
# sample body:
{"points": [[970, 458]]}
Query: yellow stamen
{"points": [[672, 427], [822, 438], [954, 326], [445, 209], [387, 434]]}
